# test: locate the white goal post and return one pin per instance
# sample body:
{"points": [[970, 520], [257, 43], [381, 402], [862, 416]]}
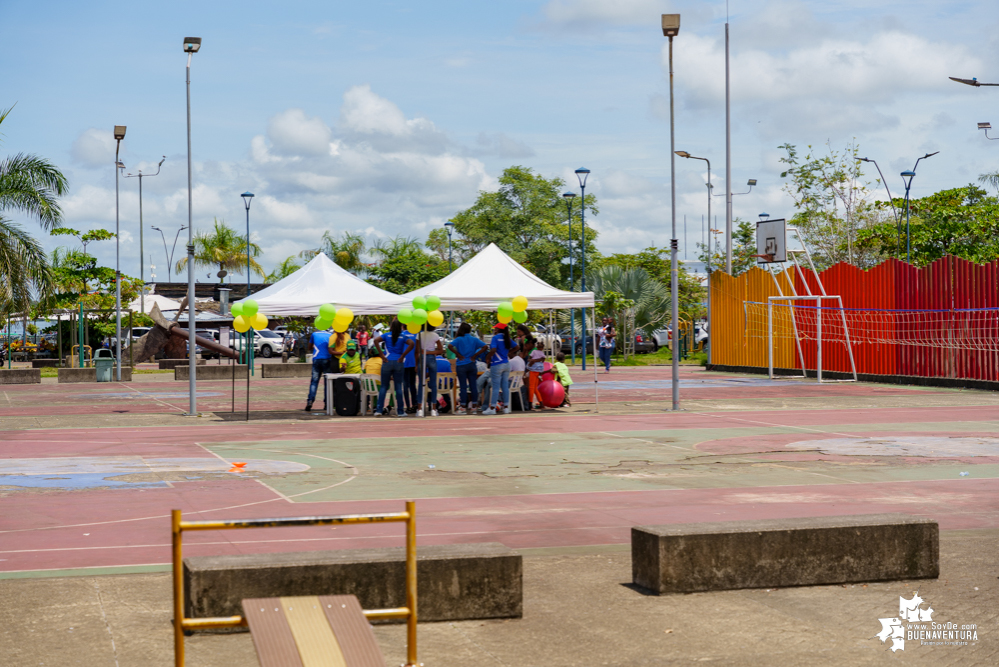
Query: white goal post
{"points": [[817, 298]]}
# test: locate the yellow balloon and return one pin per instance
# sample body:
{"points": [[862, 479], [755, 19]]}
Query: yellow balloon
{"points": [[519, 304], [414, 328], [341, 326], [435, 318], [503, 319], [344, 314], [258, 321], [241, 324]]}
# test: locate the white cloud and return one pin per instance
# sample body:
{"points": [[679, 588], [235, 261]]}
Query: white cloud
{"points": [[94, 148], [293, 133], [620, 12]]}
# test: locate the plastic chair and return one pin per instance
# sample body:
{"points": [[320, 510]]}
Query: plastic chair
{"points": [[516, 382], [369, 392], [447, 383]]}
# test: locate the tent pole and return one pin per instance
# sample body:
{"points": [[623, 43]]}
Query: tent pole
{"points": [[596, 382]]}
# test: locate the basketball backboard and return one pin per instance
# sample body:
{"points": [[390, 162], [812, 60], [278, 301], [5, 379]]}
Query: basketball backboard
{"points": [[771, 241]]}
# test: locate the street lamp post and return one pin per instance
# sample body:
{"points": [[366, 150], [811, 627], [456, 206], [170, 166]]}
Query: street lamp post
{"points": [[685, 154], [898, 222], [987, 126], [907, 177], [247, 200], [568, 197], [191, 46], [449, 226], [581, 175], [142, 256], [119, 134], [671, 28], [169, 253]]}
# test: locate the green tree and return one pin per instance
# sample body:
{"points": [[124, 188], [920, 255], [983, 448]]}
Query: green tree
{"points": [[403, 265], [29, 185], [743, 249], [963, 222], [656, 263], [224, 248], [833, 203], [621, 289], [283, 270], [526, 218], [345, 250]]}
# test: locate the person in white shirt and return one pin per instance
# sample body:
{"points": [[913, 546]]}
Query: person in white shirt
{"points": [[431, 346]]}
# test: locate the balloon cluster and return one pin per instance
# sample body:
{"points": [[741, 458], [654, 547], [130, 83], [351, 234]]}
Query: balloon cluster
{"points": [[425, 310], [338, 318], [515, 309], [247, 316]]}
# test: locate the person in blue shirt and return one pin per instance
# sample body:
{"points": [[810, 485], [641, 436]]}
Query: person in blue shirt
{"points": [[466, 348], [392, 347], [409, 373], [499, 369], [319, 341]]}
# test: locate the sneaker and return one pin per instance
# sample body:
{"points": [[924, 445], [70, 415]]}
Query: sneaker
{"points": [[490, 411], [434, 413], [400, 413], [419, 413], [378, 414], [507, 410], [308, 407]]}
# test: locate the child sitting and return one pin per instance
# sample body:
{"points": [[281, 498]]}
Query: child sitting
{"points": [[560, 373], [350, 362]]}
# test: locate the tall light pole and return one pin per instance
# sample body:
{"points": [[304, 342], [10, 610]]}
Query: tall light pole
{"points": [[247, 199], [142, 256], [581, 175], [907, 179], [191, 46], [169, 253], [728, 158], [987, 126], [671, 28], [685, 154], [898, 222], [119, 134], [449, 226], [568, 197]]}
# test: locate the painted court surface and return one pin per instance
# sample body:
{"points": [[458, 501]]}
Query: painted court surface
{"points": [[89, 473]]}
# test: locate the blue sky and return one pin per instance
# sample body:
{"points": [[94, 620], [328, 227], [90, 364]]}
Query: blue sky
{"points": [[386, 118]]}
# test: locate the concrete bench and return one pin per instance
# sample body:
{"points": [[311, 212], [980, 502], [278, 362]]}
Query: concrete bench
{"points": [[292, 370], [454, 582], [776, 553], [45, 363], [213, 372], [20, 376], [171, 364], [90, 374]]}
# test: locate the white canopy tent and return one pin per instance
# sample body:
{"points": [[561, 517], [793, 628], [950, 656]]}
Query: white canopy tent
{"points": [[322, 281], [492, 277], [154, 299]]}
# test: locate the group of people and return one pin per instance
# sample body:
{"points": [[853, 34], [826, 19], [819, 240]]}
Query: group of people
{"points": [[397, 357]]}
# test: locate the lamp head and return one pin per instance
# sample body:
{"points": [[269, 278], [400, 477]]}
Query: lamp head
{"points": [[751, 182], [764, 216], [682, 153], [582, 174], [449, 225], [192, 44], [119, 132], [247, 197], [671, 25], [864, 159], [569, 195], [907, 177], [162, 161], [930, 154]]}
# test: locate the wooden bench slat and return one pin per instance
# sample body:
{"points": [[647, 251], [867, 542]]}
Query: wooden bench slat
{"points": [[271, 633], [317, 645], [352, 630]]}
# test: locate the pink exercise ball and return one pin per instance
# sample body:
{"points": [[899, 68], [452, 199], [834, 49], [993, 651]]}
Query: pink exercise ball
{"points": [[548, 366], [552, 393]]}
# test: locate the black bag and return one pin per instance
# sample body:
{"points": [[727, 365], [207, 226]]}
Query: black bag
{"points": [[347, 396], [444, 404]]}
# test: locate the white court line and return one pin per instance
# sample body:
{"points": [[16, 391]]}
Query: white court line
{"points": [[153, 397]]}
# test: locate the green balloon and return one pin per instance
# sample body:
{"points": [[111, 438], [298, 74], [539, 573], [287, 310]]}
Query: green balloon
{"points": [[250, 308], [420, 303], [433, 302], [322, 324], [520, 317], [505, 309], [405, 315], [237, 309], [419, 316], [327, 311]]}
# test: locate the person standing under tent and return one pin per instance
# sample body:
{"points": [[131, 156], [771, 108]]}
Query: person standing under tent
{"points": [[338, 345], [431, 346], [499, 369], [392, 348], [466, 347], [409, 373], [319, 341], [518, 366], [606, 335], [535, 367], [363, 338]]}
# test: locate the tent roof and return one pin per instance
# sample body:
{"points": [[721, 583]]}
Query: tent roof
{"points": [[157, 299], [322, 281], [492, 277]]}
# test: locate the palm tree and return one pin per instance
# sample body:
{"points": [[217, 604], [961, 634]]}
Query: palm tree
{"points": [[651, 298], [224, 248], [389, 249], [28, 184], [345, 250], [991, 179], [283, 270]]}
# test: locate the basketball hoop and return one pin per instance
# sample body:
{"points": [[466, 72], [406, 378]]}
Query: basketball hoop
{"points": [[768, 258]]}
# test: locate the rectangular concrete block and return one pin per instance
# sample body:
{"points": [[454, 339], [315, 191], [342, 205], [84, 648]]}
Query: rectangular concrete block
{"points": [[213, 372], [90, 374], [776, 553], [21, 376], [285, 370], [171, 364], [454, 582], [45, 363]]}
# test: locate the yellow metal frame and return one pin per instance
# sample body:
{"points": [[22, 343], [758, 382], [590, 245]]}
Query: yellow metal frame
{"points": [[180, 623]]}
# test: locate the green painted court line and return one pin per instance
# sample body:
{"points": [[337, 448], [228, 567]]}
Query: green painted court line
{"points": [[86, 571]]}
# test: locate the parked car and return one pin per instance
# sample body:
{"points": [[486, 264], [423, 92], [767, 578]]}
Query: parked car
{"points": [[266, 343], [644, 344]]}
